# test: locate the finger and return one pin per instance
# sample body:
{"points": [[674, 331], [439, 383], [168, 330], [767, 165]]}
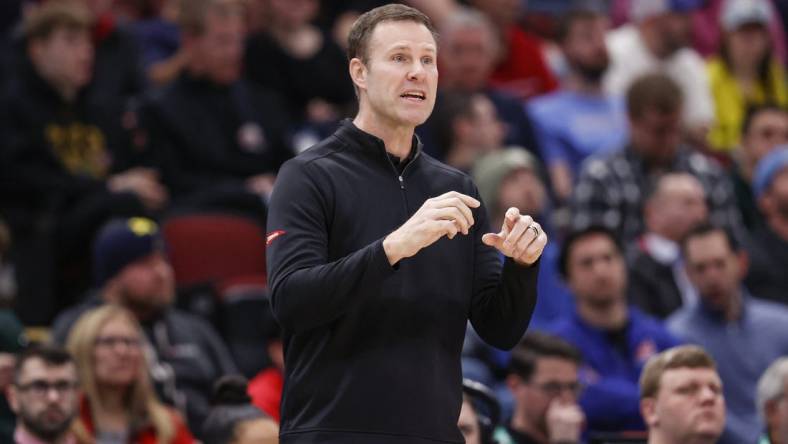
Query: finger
{"points": [[512, 241], [454, 202], [468, 200], [453, 214], [534, 251], [493, 240], [449, 229]]}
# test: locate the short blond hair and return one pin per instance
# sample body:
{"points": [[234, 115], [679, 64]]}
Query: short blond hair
{"points": [[684, 356], [43, 20], [193, 13]]}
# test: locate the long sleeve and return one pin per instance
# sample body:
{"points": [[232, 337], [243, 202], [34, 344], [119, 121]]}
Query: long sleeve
{"points": [[503, 299], [306, 289]]}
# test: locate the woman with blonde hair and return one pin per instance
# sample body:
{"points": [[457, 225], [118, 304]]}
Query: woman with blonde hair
{"points": [[119, 404]]}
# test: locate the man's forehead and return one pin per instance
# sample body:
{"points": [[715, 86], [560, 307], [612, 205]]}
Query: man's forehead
{"points": [[680, 375], [36, 368], [402, 34]]}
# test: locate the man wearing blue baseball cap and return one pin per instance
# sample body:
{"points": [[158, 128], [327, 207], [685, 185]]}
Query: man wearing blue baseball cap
{"points": [[131, 269], [657, 40], [767, 277]]}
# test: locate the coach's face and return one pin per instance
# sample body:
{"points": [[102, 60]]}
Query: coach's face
{"points": [[399, 79]]}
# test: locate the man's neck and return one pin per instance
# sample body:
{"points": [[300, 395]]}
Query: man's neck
{"points": [[397, 139], [655, 437], [521, 425], [24, 436], [605, 317], [580, 84]]}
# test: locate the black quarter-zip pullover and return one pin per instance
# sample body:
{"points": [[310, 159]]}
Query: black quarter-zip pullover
{"points": [[372, 352]]}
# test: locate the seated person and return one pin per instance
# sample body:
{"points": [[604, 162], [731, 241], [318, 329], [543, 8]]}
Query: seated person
{"points": [[681, 397], [187, 355], [615, 340], [234, 420], [119, 404], [772, 397]]}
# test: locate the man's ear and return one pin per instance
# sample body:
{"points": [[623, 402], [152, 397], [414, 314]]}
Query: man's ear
{"points": [[13, 397], [358, 73], [649, 412]]}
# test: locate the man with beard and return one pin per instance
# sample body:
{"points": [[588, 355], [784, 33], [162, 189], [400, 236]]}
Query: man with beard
{"points": [[727, 322], [581, 119], [131, 269], [45, 397], [681, 397], [769, 248], [658, 40], [615, 340]]}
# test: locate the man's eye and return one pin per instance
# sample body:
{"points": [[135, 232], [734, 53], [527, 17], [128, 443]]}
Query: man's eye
{"points": [[398, 58], [427, 60]]}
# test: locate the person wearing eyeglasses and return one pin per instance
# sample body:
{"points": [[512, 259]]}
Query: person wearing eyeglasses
{"points": [[45, 396], [119, 404], [543, 379]]}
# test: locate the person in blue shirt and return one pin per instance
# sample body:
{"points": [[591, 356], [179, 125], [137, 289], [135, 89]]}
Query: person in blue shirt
{"points": [[579, 119], [742, 333], [615, 340]]}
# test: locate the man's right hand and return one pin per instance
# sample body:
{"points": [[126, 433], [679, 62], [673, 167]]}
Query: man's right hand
{"points": [[144, 182], [445, 215], [564, 422]]}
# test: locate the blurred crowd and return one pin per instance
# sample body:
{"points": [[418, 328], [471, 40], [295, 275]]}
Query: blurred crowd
{"points": [[140, 142]]}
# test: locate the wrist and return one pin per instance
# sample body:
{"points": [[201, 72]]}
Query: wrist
{"points": [[392, 250]]}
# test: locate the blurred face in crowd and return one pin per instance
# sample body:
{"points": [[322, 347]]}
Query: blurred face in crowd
{"points": [[584, 46], [291, 14], [768, 129], [522, 189], [64, 58], [748, 45], [675, 32], [467, 57], [502, 12], [468, 424], [776, 412], [688, 407], [398, 82], [45, 398], [146, 286], [483, 130], [656, 135], [596, 272], [117, 354], [714, 268], [774, 203], [218, 51], [677, 206], [554, 380]]}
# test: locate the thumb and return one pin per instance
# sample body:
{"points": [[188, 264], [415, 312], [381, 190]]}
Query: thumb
{"points": [[492, 239]]}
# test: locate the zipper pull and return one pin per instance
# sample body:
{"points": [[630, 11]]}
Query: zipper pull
{"points": [[401, 183]]}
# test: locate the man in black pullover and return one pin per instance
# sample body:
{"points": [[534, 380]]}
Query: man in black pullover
{"points": [[378, 255]]}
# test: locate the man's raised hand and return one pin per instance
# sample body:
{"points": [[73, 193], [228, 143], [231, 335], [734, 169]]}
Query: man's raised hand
{"points": [[521, 238], [444, 215]]}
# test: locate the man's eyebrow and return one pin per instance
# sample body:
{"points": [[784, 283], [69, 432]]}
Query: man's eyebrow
{"points": [[404, 47]]}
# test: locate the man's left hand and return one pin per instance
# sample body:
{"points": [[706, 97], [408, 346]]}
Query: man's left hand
{"points": [[521, 238]]}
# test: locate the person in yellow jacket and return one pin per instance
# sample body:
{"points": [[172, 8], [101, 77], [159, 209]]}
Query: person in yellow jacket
{"points": [[745, 73]]}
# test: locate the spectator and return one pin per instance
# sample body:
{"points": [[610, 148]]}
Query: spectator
{"points": [[580, 119], [657, 279], [614, 339], [158, 37], [298, 50], [657, 41], [12, 339], [764, 128], [745, 72], [45, 397], [728, 321], [119, 403], [610, 189], [681, 397], [544, 381], [467, 57], [772, 397], [767, 277], [67, 161], [222, 139], [468, 422], [521, 67], [469, 128], [131, 270], [511, 178], [233, 420]]}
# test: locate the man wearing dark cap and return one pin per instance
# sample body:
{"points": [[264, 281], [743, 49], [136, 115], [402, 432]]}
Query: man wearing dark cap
{"points": [[131, 270]]}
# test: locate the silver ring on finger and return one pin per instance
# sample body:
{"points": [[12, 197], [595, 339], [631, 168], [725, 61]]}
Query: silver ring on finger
{"points": [[535, 228]]}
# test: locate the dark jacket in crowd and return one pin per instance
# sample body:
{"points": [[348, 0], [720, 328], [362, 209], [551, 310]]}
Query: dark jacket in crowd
{"points": [[210, 135], [372, 352], [189, 357], [768, 275], [321, 76], [652, 284]]}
